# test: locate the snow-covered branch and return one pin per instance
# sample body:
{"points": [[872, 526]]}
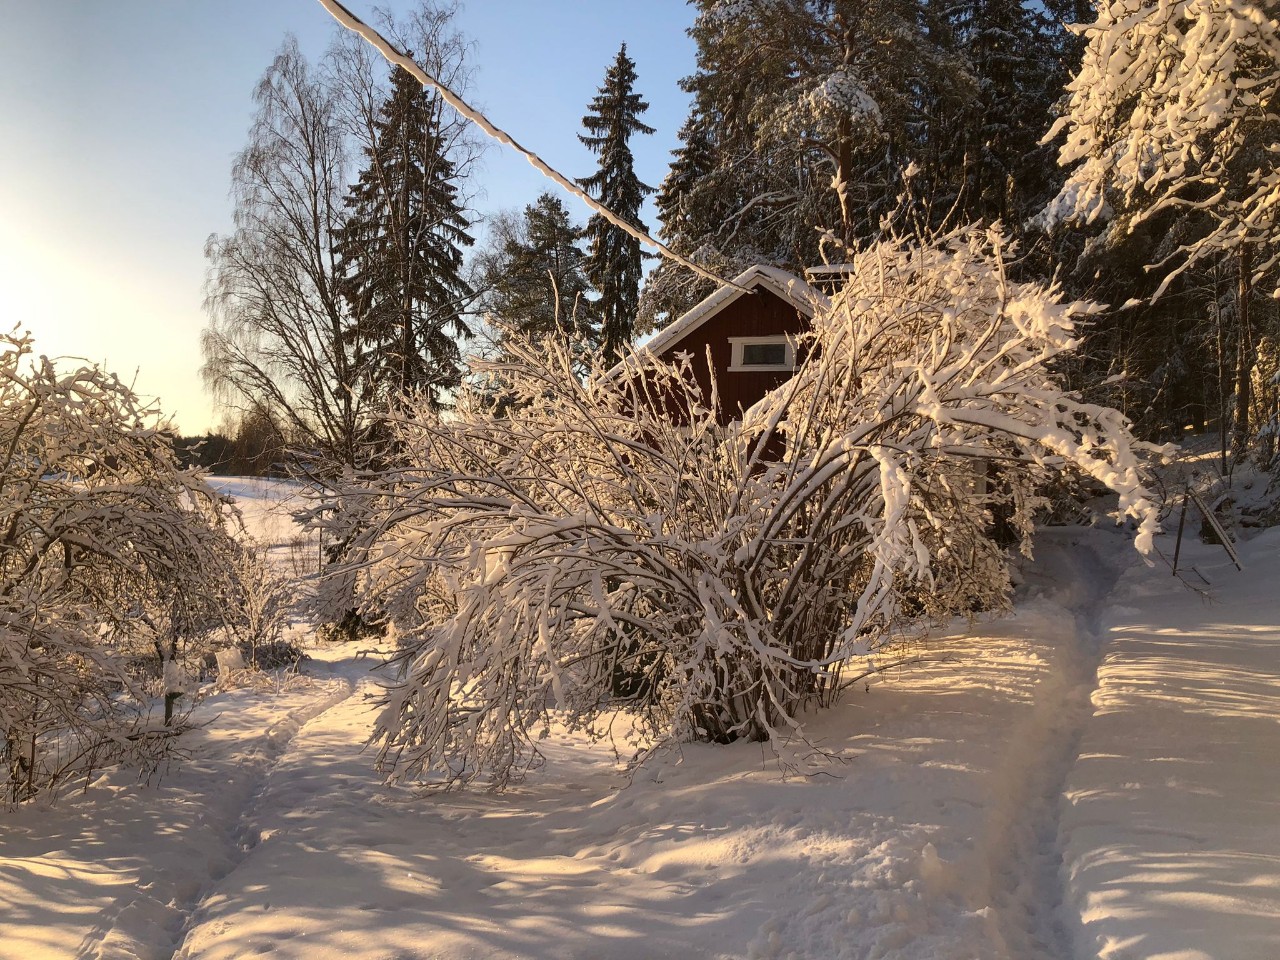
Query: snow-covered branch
{"points": [[1175, 107], [605, 544]]}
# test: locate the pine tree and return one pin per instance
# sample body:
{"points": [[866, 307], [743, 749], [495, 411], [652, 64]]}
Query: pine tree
{"points": [[613, 262], [401, 249], [537, 282]]}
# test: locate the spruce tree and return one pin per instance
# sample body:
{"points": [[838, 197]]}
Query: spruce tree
{"points": [[613, 261], [992, 158], [536, 280], [805, 114], [401, 250]]}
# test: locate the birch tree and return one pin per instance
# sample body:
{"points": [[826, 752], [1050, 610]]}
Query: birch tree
{"points": [[320, 309], [277, 342]]}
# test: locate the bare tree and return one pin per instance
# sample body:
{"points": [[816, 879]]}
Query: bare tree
{"points": [[277, 338]]}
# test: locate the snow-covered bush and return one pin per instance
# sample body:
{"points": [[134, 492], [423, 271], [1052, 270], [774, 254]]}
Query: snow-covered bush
{"points": [[108, 551], [605, 544], [260, 614]]}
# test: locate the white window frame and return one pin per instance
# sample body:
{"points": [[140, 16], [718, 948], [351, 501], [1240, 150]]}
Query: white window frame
{"points": [[737, 366]]}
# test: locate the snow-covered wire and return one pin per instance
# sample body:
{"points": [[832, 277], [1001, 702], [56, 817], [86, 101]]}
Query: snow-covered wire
{"points": [[353, 23]]}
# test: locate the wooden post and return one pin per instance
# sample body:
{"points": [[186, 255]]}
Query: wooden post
{"points": [[1182, 522]]}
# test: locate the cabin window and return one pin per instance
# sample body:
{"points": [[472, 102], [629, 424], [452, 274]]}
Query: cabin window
{"points": [[762, 353]]}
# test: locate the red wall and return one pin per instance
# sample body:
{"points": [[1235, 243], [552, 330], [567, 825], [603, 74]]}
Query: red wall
{"points": [[761, 314]]}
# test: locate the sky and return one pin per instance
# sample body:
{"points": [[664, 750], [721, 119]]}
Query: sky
{"points": [[119, 121]]}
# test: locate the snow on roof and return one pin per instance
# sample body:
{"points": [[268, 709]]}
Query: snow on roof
{"points": [[777, 281], [829, 270]]}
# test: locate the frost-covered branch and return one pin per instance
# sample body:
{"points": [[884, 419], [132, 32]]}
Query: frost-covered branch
{"points": [[606, 545]]}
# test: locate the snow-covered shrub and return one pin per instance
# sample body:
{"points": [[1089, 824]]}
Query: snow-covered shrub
{"points": [[260, 613], [605, 544], [108, 552], [276, 655]]}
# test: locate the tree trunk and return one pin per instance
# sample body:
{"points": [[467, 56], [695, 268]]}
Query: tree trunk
{"points": [[1246, 351], [1220, 344]]}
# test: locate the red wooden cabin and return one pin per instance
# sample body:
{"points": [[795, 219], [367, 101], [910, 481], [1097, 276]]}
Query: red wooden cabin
{"points": [[750, 337]]}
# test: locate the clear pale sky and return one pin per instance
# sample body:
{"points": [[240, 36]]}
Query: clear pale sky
{"points": [[119, 120]]}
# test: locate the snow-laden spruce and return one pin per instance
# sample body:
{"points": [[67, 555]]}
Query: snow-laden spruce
{"points": [[1175, 108], [111, 556], [606, 545]]}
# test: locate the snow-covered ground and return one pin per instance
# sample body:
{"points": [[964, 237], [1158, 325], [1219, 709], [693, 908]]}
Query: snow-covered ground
{"points": [[1095, 776]]}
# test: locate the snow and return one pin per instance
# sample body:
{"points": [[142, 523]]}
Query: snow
{"points": [[267, 509], [1091, 777], [1181, 751]]}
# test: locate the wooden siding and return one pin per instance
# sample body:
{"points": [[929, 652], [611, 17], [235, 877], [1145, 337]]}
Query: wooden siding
{"points": [[762, 314]]}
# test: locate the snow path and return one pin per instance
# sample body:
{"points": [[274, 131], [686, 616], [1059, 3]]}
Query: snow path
{"points": [[123, 867], [1091, 778], [1022, 842], [1172, 828], [245, 834], [891, 851]]}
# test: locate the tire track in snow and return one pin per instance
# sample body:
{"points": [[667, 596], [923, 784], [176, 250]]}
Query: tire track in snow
{"points": [[1027, 889]]}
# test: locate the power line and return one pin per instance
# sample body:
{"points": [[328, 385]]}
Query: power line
{"points": [[353, 23]]}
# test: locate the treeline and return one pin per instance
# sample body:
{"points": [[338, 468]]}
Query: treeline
{"points": [[1132, 161], [249, 445]]}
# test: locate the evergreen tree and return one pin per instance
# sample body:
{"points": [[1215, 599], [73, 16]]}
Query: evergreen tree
{"points": [[536, 277], [1171, 126], [613, 262], [401, 249], [805, 115], [994, 161]]}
